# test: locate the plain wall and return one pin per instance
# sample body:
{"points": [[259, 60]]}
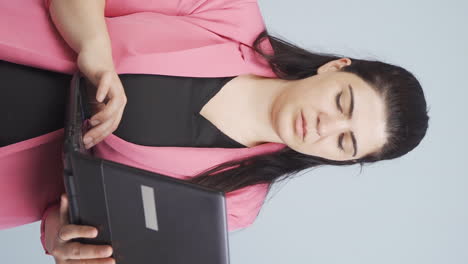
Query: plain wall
{"points": [[409, 210]]}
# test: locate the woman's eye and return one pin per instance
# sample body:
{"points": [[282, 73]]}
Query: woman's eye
{"points": [[340, 141]]}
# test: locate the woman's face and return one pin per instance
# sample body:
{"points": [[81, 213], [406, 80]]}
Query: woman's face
{"points": [[345, 117]]}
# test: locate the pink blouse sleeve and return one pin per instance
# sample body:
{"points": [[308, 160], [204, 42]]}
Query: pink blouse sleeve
{"points": [[44, 216], [243, 205], [172, 8]]}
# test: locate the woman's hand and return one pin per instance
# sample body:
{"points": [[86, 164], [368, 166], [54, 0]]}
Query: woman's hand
{"points": [[108, 97], [66, 252]]}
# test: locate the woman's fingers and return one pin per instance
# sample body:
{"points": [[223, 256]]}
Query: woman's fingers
{"points": [[110, 113], [110, 110], [76, 250], [63, 210], [99, 132], [92, 261], [70, 231], [109, 127], [104, 85]]}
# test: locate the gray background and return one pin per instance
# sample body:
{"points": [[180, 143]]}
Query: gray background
{"points": [[410, 210]]}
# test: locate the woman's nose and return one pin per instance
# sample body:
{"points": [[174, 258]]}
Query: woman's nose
{"points": [[329, 125]]}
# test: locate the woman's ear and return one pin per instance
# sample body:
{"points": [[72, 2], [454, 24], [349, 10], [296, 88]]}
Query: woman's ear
{"points": [[334, 65]]}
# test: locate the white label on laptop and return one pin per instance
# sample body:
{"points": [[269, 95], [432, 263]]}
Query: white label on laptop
{"points": [[149, 207]]}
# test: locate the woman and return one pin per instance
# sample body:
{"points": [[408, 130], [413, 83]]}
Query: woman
{"points": [[355, 111]]}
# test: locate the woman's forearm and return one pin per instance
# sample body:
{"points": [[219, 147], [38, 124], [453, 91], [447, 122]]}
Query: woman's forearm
{"points": [[82, 25]]}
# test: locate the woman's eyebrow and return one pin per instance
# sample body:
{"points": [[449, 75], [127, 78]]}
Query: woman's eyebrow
{"points": [[351, 108]]}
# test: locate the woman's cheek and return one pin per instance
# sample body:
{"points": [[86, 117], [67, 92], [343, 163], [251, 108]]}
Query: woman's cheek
{"points": [[324, 148]]}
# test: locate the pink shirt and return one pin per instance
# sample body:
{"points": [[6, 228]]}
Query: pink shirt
{"points": [[179, 38]]}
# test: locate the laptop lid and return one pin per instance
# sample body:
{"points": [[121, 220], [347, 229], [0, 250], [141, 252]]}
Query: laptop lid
{"points": [[146, 217]]}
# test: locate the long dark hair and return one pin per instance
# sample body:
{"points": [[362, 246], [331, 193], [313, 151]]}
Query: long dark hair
{"points": [[407, 118]]}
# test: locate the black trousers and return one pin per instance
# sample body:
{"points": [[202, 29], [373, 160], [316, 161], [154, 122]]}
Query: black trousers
{"points": [[32, 102]]}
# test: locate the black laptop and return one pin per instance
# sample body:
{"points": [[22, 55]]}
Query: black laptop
{"points": [[146, 217]]}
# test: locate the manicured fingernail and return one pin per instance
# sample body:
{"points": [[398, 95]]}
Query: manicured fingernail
{"points": [[87, 140], [94, 122]]}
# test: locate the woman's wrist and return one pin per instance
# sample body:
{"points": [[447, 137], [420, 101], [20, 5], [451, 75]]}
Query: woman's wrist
{"points": [[100, 44], [101, 49], [95, 58]]}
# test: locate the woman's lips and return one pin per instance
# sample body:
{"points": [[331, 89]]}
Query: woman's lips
{"points": [[301, 126]]}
